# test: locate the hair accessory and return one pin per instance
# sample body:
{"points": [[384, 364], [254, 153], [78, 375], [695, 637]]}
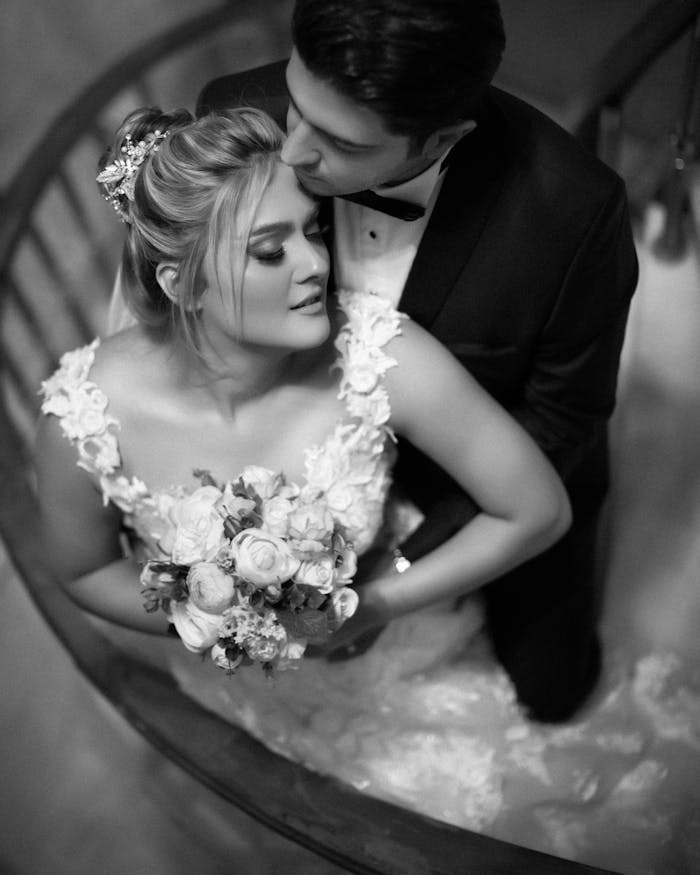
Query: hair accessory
{"points": [[119, 177]]}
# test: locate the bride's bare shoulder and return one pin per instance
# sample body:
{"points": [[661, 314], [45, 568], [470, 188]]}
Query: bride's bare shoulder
{"points": [[126, 361]]}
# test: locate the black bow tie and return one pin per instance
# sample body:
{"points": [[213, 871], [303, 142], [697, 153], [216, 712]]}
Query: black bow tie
{"points": [[390, 205]]}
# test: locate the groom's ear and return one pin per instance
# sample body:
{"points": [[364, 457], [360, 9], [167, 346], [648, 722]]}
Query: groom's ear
{"points": [[444, 138], [168, 278]]}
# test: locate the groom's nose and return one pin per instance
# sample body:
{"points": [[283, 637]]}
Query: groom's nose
{"points": [[299, 149]]}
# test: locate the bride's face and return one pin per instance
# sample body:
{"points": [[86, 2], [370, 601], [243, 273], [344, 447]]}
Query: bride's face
{"points": [[283, 295]]}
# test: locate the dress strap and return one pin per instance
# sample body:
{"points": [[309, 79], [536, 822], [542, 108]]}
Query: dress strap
{"points": [[372, 322], [81, 408]]}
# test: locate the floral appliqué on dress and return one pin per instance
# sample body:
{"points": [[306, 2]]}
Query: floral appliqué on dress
{"points": [[352, 467]]}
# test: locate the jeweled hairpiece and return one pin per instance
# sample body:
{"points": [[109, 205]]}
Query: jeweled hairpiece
{"points": [[119, 177]]}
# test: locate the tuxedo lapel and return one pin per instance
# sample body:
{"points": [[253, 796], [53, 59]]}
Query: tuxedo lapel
{"points": [[469, 191]]}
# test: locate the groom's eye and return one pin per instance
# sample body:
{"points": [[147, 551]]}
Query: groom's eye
{"points": [[347, 148], [316, 231]]}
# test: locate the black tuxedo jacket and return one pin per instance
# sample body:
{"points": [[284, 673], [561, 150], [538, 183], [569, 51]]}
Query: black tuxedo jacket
{"points": [[525, 272]]}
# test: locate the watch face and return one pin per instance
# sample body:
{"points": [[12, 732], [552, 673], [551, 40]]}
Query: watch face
{"points": [[401, 564]]}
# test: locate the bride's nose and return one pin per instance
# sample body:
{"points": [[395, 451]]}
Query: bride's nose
{"points": [[312, 260]]}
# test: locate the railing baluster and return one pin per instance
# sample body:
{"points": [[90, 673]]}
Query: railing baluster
{"points": [[99, 256], [51, 264]]}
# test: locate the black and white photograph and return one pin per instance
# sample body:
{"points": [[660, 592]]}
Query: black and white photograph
{"points": [[350, 437]]}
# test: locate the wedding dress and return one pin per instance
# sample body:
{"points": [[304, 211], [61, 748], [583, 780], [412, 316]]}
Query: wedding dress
{"points": [[426, 718]]}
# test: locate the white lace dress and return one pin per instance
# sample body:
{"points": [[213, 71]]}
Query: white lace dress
{"points": [[426, 718]]}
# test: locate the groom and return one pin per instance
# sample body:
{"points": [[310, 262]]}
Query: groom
{"points": [[496, 231]]}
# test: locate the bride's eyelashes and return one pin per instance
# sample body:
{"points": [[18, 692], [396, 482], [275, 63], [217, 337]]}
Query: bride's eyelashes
{"points": [[273, 257]]}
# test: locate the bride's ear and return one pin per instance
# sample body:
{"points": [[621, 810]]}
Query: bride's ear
{"points": [[168, 278]]}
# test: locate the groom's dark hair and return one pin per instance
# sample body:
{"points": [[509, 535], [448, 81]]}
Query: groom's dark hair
{"points": [[419, 64]]}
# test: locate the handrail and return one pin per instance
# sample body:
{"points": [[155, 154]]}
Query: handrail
{"points": [[631, 56]]}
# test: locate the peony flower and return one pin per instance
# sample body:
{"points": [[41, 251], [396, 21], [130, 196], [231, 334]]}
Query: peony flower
{"points": [[311, 522], [211, 589], [199, 526], [262, 559], [265, 482], [198, 629], [236, 506], [318, 573], [345, 601], [275, 515]]}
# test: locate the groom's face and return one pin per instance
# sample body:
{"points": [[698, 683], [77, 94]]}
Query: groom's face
{"points": [[337, 146]]}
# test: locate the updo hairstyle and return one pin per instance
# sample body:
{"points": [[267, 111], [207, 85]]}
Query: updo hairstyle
{"points": [[198, 190]]}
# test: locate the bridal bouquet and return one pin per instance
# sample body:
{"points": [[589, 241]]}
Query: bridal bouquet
{"points": [[256, 569]]}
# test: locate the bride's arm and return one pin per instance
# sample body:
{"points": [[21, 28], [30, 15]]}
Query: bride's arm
{"points": [[444, 412], [81, 536]]}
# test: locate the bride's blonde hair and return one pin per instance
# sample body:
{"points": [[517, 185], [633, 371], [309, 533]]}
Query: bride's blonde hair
{"points": [[192, 203]]}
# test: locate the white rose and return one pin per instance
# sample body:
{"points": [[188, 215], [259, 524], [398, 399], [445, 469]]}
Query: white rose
{"points": [[275, 515], [211, 589], [199, 526], [198, 629], [265, 482], [220, 659], [234, 505], [311, 522], [263, 559], [318, 573], [345, 603]]}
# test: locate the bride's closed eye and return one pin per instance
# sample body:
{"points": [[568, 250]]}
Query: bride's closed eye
{"points": [[314, 231]]}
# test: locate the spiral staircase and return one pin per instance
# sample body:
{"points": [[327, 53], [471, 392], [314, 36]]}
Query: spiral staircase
{"points": [[59, 247]]}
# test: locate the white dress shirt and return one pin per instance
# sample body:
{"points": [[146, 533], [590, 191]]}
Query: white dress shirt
{"points": [[374, 252]]}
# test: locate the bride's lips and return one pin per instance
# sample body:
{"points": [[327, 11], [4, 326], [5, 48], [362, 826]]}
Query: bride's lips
{"points": [[314, 300]]}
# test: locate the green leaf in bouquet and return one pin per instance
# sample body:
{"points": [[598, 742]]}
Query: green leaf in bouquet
{"points": [[204, 477], [312, 597], [309, 624]]}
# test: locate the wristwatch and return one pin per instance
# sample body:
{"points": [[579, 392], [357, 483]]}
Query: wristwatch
{"points": [[401, 564]]}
